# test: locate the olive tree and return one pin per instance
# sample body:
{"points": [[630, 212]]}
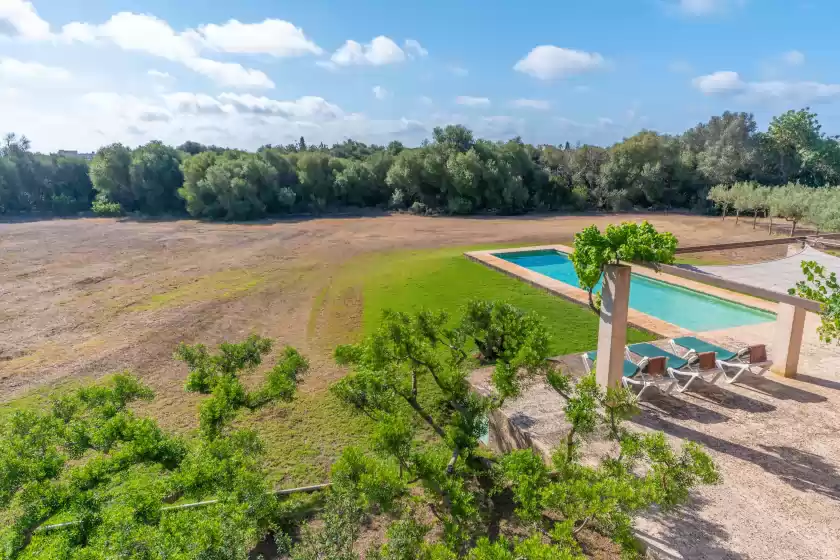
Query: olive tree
{"points": [[721, 196], [743, 198], [791, 202]]}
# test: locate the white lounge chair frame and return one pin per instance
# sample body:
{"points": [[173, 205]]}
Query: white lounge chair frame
{"points": [[646, 380]]}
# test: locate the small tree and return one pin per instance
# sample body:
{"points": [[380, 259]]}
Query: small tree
{"points": [[92, 463], [823, 287], [721, 196], [415, 364], [629, 242], [643, 470], [791, 202], [219, 375], [761, 204], [824, 210], [743, 198]]}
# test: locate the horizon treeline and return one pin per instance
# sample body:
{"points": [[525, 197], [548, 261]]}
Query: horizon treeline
{"points": [[453, 173]]}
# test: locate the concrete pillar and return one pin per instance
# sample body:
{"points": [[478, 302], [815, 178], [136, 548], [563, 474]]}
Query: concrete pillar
{"points": [[790, 326], [612, 331]]}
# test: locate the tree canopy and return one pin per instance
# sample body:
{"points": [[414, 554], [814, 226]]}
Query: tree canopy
{"points": [[90, 479], [628, 242], [453, 172]]}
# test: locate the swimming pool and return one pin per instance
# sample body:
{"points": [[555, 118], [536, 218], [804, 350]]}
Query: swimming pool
{"points": [[677, 305]]}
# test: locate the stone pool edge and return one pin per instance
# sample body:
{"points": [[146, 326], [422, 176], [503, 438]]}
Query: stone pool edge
{"points": [[636, 318]]}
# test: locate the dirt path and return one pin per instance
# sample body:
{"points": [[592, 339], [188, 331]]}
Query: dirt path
{"points": [[83, 298]]}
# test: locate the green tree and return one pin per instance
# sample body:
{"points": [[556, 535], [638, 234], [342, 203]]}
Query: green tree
{"points": [[724, 149], [91, 463], [821, 286], [414, 367], [628, 242], [110, 173], [743, 198], [721, 196], [155, 175], [317, 181], [791, 202]]}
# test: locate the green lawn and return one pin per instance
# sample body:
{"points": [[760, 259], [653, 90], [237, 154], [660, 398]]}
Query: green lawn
{"points": [[302, 438], [444, 279]]}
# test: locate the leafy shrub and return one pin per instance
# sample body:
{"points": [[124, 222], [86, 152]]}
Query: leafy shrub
{"points": [[106, 208]]}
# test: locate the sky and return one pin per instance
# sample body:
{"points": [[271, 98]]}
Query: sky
{"points": [[79, 74]]}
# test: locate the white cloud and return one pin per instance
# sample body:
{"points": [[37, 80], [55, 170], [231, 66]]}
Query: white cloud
{"points": [[539, 104], [195, 104], [380, 92], [20, 17], [425, 100], [128, 108], [458, 71], [547, 61], [414, 48], [381, 50], [158, 74], [230, 74], [86, 122], [719, 82], [272, 36], [307, 107], [135, 32], [17, 71], [470, 101], [793, 58], [151, 35], [803, 92]]}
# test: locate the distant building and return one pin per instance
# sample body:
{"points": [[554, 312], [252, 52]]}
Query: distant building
{"points": [[75, 154]]}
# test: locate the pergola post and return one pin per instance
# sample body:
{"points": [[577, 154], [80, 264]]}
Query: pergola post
{"points": [[790, 326], [612, 330]]}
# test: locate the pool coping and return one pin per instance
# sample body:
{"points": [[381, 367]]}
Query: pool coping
{"points": [[576, 295]]}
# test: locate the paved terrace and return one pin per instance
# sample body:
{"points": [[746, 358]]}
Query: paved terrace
{"points": [[775, 440]]}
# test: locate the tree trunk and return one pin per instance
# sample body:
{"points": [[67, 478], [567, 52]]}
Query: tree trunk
{"points": [[737, 216], [793, 229], [724, 213], [770, 227], [755, 219]]}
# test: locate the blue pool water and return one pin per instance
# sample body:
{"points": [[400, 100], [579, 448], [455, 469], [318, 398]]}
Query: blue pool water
{"points": [[677, 305]]}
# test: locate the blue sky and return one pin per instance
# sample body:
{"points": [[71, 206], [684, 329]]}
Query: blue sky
{"points": [[77, 74]]}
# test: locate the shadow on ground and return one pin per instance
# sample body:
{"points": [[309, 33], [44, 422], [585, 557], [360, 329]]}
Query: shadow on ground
{"points": [[781, 391], [658, 403], [803, 471], [728, 399], [688, 535]]}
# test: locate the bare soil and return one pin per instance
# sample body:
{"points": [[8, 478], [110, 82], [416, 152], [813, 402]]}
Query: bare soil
{"points": [[83, 298]]}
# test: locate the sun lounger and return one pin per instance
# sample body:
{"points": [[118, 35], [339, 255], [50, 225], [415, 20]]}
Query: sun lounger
{"points": [[693, 365], [645, 374], [735, 362]]}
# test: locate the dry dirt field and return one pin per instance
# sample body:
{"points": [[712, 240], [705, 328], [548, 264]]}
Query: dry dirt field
{"points": [[84, 298]]}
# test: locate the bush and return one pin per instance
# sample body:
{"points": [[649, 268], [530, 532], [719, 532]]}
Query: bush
{"points": [[104, 207]]}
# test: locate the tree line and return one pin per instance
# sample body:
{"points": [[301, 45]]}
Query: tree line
{"points": [[453, 172], [793, 202]]}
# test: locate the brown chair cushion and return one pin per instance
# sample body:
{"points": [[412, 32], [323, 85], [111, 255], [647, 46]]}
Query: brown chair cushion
{"points": [[706, 360], [656, 366], [758, 354]]}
